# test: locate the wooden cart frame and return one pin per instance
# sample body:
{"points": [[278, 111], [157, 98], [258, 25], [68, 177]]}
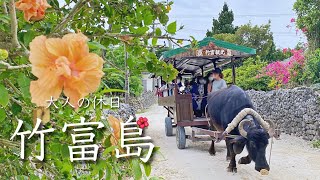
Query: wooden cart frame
{"points": [[208, 55]]}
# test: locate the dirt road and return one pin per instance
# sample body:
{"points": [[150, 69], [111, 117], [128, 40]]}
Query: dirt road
{"points": [[292, 158]]}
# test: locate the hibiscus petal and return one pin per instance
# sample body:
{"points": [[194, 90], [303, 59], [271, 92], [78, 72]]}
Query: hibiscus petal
{"points": [[71, 90], [91, 79], [45, 87], [62, 65], [57, 47], [39, 71], [77, 46], [38, 52], [114, 123], [23, 6], [89, 62]]}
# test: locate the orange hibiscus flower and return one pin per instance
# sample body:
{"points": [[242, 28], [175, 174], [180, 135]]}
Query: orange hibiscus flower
{"points": [[33, 9], [114, 124], [63, 64]]}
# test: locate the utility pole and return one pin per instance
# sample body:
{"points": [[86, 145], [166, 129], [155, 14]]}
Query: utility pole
{"points": [[127, 76]]}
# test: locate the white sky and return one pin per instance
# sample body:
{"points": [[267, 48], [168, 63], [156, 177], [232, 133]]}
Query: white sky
{"points": [[196, 16]]}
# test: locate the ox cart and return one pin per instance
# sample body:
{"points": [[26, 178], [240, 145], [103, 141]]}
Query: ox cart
{"points": [[208, 55]]}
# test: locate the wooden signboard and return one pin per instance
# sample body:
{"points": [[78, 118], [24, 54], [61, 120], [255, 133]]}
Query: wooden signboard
{"points": [[207, 51]]}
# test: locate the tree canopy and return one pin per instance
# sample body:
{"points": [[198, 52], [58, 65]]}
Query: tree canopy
{"points": [[308, 19], [224, 22], [258, 37]]}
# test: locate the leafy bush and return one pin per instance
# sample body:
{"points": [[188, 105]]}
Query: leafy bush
{"points": [[316, 144], [312, 71], [246, 75]]}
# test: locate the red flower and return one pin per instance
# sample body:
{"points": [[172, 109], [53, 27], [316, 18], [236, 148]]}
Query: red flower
{"points": [[293, 20], [285, 50], [142, 122]]}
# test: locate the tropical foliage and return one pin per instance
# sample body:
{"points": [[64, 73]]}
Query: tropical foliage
{"points": [[258, 37], [311, 73], [246, 75], [276, 68], [308, 13]]}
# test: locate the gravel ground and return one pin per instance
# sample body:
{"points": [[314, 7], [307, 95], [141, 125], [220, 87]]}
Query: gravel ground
{"points": [[292, 158]]}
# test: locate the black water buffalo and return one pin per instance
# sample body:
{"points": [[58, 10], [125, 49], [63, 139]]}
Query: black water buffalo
{"points": [[249, 130]]}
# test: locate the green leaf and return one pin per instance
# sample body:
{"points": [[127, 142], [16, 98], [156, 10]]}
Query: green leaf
{"points": [[65, 151], [5, 19], [158, 32], [164, 19], [28, 37], [150, 66], [136, 169], [2, 114], [24, 83], [96, 46], [172, 27], [113, 90], [141, 30], [148, 18], [16, 108], [66, 167], [147, 168], [55, 147], [180, 41], [108, 172], [154, 41], [109, 149], [4, 96], [130, 62]]}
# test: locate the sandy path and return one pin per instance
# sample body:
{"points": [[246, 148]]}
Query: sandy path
{"points": [[291, 157]]}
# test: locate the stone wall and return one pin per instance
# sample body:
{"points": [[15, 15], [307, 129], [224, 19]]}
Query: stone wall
{"points": [[146, 100], [295, 111]]}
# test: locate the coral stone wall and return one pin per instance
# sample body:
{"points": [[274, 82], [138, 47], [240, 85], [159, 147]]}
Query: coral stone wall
{"points": [[295, 111], [146, 100]]}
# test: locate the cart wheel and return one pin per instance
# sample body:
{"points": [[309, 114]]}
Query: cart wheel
{"points": [[168, 126], [181, 137]]}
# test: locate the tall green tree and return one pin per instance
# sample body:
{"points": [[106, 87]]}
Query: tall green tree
{"points": [[258, 37], [308, 12], [224, 23]]}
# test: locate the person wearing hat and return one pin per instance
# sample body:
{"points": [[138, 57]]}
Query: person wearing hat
{"points": [[216, 81]]}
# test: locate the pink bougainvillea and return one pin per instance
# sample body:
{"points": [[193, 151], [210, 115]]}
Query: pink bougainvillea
{"points": [[283, 71], [297, 30], [304, 30]]}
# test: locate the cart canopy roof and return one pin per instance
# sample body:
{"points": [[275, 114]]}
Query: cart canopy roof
{"points": [[208, 52]]}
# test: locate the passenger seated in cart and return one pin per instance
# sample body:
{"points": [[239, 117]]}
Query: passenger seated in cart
{"points": [[164, 90], [216, 81], [199, 93], [187, 89], [179, 84]]}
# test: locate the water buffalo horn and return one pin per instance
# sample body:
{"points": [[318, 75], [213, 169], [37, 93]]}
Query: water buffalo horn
{"points": [[241, 129], [271, 129]]}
